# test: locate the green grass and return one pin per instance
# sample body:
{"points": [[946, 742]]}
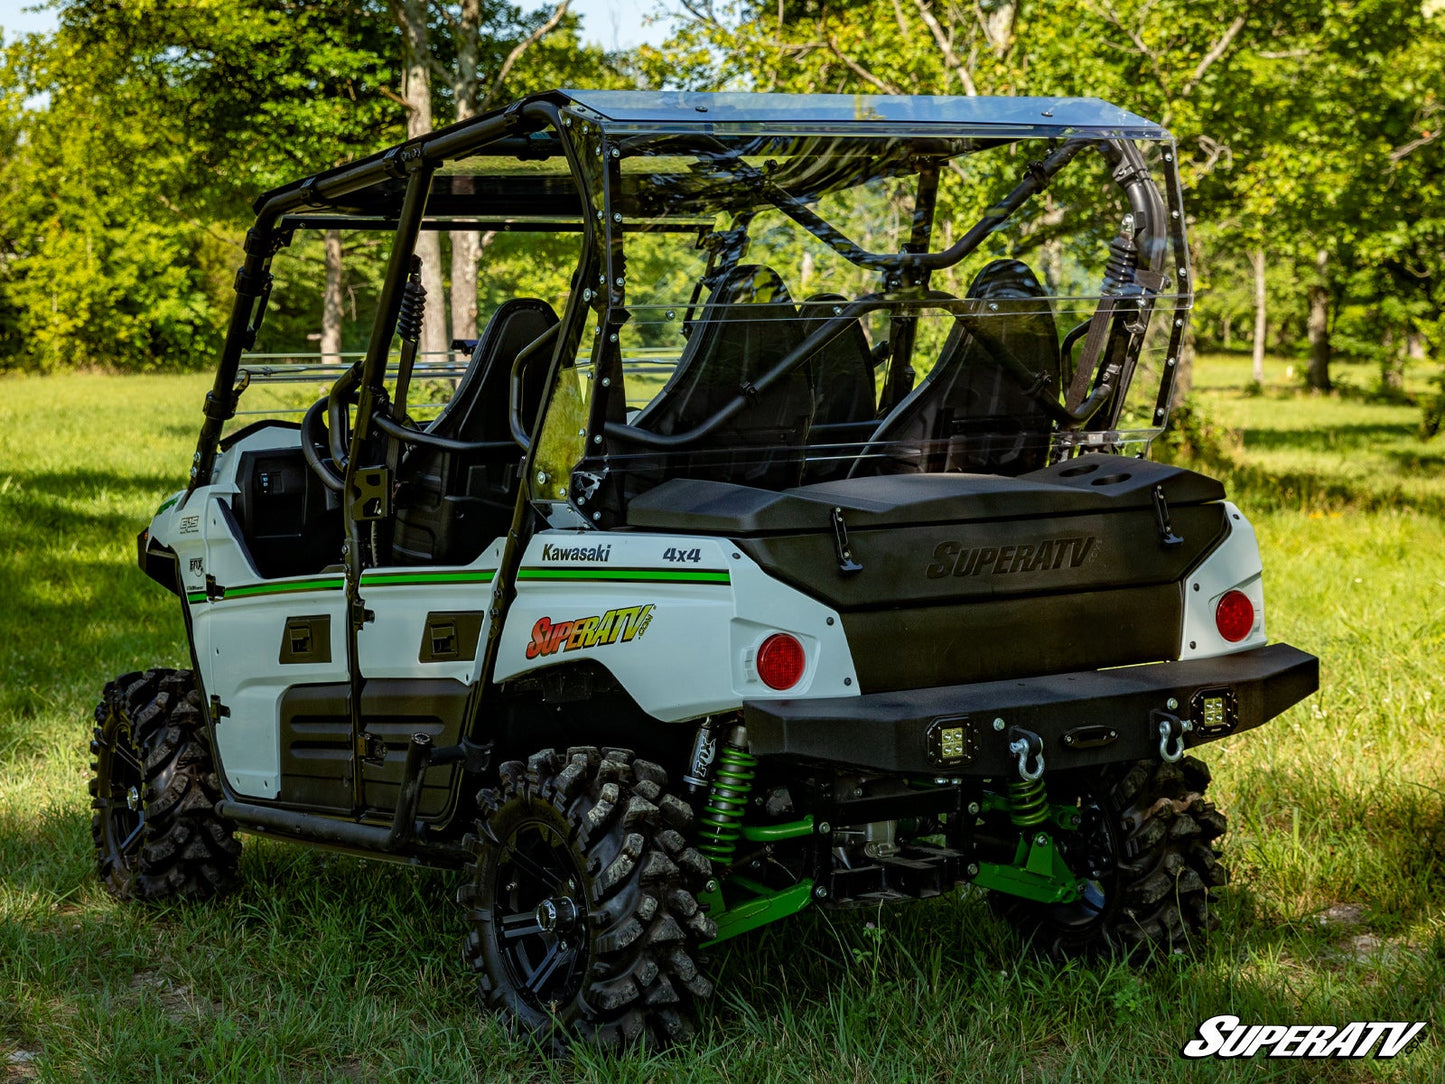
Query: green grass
{"points": [[1346, 449], [325, 968]]}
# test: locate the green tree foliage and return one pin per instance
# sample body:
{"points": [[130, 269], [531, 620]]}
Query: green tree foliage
{"points": [[136, 137], [159, 122], [1304, 128]]}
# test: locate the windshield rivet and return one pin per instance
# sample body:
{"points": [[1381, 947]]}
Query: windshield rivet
{"points": [[616, 216], [619, 281], [998, 724], [1173, 214], [567, 122], [587, 294], [1159, 413], [1183, 271], [607, 382], [993, 306], [1047, 113], [602, 279], [837, 310], [597, 439], [542, 477], [671, 315], [616, 153], [1169, 362], [581, 432], [1179, 323], [1168, 158], [561, 491], [612, 338], [599, 216], [596, 516]]}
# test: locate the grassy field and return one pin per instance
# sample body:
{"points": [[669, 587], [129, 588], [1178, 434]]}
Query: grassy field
{"points": [[326, 968]]}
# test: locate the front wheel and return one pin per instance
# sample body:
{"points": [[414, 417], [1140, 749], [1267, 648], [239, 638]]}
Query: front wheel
{"points": [[1144, 851], [154, 790], [583, 907]]}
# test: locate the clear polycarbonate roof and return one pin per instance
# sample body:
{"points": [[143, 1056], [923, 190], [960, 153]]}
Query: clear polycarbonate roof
{"points": [[654, 110]]}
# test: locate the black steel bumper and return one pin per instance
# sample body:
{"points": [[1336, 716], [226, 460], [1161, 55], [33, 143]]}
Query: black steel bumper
{"points": [[1082, 719]]}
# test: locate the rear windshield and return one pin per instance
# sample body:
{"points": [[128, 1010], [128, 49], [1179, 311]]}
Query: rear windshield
{"points": [[803, 309]]}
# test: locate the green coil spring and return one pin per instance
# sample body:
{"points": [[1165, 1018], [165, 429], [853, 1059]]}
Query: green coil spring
{"points": [[1028, 804], [722, 813]]}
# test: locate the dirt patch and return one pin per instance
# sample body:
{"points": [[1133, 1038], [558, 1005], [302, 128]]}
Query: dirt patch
{"points": [[178, 1003]]}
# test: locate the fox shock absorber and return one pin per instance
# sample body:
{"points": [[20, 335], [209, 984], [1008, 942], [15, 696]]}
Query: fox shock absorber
{"points": [[727, 798], [409, 320]]}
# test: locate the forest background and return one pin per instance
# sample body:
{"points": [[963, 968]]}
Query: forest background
{"points": [[134, 136]]}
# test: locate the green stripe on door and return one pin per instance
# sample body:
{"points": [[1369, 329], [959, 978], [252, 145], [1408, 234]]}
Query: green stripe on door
{"points": [[336, 583], [628, 575], [285, 587], [388, 579]]}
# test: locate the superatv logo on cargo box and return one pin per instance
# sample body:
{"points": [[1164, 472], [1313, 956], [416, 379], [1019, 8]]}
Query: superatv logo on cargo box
{"points": [[1046, 555], [613, 627]]}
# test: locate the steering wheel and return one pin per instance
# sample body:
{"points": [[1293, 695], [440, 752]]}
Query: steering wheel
{"points": [[336, 437]]}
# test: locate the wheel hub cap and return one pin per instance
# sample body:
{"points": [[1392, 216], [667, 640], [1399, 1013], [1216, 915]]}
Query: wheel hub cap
{"points": [[558, 915], [132, 799]]}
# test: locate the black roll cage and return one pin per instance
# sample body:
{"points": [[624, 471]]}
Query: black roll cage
{"points": [[516, 129]]}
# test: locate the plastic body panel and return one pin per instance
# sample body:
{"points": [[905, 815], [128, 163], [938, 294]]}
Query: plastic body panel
{"points": [[242, 624], [680, 635]]}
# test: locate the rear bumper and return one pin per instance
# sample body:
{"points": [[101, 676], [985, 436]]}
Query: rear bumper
{"points": [[1082, 719]]}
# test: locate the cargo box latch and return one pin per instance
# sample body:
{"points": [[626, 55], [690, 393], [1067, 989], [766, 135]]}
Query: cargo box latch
{"points": [[844, 552]]}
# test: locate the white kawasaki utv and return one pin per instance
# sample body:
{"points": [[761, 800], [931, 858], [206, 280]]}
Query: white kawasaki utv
{"points": [[789, 544]]}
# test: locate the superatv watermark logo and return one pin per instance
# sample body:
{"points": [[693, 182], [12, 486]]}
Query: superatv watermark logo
{"points": [[1049, 554], [613, 627], [576, 553], [1227, 1037]]}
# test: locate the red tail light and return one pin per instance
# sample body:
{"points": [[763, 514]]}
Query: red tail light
{"points": [[781, 661], [1234, 616]]}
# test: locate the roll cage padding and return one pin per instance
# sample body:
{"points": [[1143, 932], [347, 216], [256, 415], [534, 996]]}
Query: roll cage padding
{"points": [[970, 412]]}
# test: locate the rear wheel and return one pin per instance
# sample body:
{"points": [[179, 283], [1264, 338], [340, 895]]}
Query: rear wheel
{"points": [[1144, 849], [583, 907], [154, 791]]}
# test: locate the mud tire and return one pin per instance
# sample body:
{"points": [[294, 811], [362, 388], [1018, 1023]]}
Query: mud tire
{"points": [[1147, 846], [154, 789], [594, 835]]}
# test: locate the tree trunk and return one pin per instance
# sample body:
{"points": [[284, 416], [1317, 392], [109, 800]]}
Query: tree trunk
{"points": [[466, 244], [998, 26], [1226, 330], [1414, 345], [1392, 365], [416, 92], [1184, 376], [1319, 326], [331, 307], [1261, 322]]}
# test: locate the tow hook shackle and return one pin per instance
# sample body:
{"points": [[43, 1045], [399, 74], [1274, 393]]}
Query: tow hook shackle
{"points": [[1028, 747], [1171, 735]]}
